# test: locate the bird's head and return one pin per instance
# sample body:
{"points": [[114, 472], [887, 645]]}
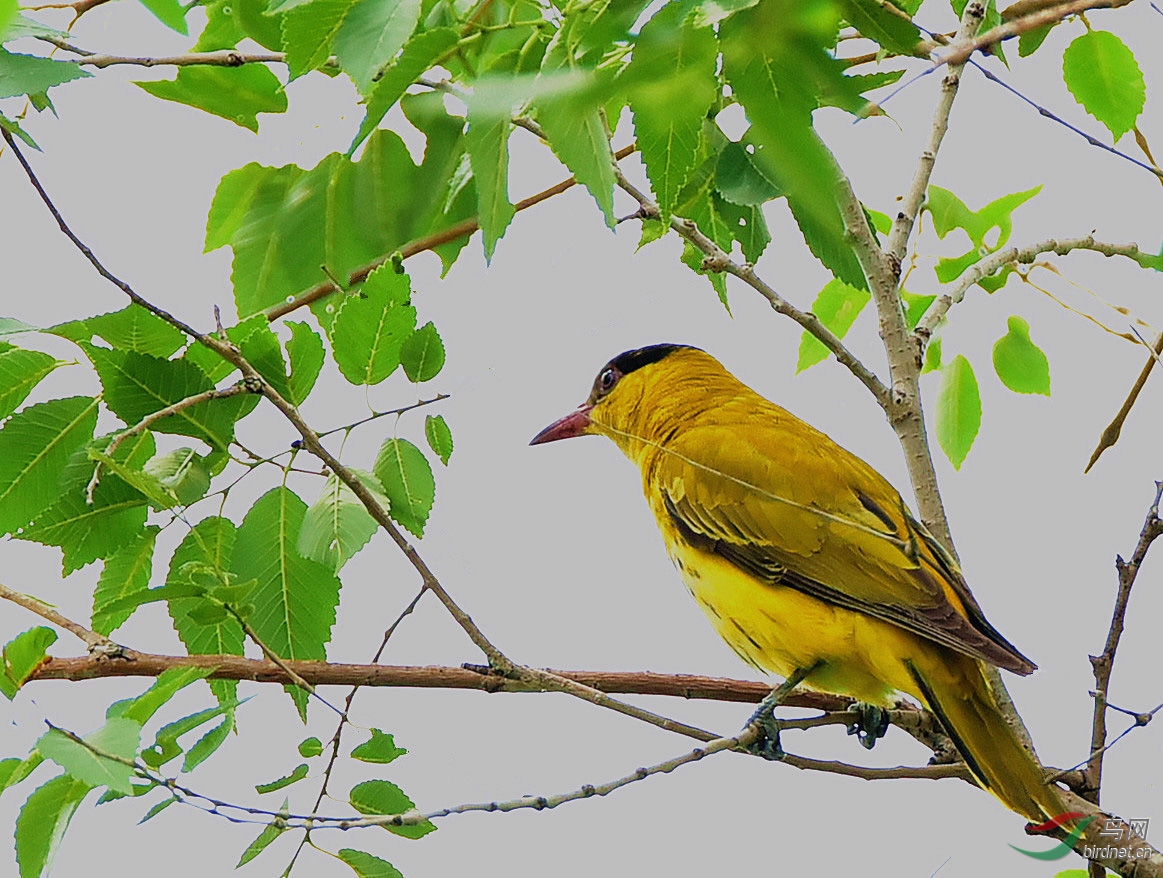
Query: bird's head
{"points": [[623, 395]]}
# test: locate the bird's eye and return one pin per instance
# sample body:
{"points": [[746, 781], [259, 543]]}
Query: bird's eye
{"points": [[607, 380]]}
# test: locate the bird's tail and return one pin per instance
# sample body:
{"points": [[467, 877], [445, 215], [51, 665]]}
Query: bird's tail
{"points": [[962, 699]]}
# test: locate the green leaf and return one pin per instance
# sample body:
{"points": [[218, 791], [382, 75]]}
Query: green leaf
{"points": [[295, 598], [206, 746], [384, 797], [407, 479], [165, 746], [371, 34], [295, 776], [181, 472], [837, 305], [35, 445], [439, 437], [86, 531], [209, 542], [958, 410], [882, 222], [169, 683], [20, 372], [487, 142], [367, 866], [119, 737], [372, 326], [310, 747], [871, 17], [338, 525], [42, 823], [261, 349], [672, 84], [284, 223], [422, 354], [949, 212], [739, 179], [1019, 363], [380, 748], [1104, 77], [33, 75], [915, 307], [237, 94], [270, 832], [418, 55], [305, 351], [131, 329], [747, 225], [157, 809], [308, 32], [932, 357], [126, 572], [21, 656], [7, 17], [171, 13], [1031, 40], [137, 385]]}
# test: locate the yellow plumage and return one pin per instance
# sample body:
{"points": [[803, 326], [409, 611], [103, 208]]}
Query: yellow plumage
{"points": [[802, 555]]}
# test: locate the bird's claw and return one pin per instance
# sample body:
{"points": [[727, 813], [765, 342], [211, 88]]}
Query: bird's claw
{"points": [[766, 744], [871, 724]]}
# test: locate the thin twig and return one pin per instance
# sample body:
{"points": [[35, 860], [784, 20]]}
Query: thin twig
{"points": [[100, 646], [1018, 255], [1103, 664]]}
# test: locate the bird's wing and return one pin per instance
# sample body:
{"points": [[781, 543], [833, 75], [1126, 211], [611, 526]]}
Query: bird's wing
{"points": [[785, 504]]}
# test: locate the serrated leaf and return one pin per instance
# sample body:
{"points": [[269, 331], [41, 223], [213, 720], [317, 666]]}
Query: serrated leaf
{"points": [[380, 748], [270, 832], [182, 472], [385, 798], [137, 385], [101, 765], [896, 34], [294, 598], [739, 179], [671, 82], [338, 525], [35, 445], [368, 866], [487, 142], [33, 75], [171, 13], [372, 326], [208, 744], [373, 31], [417, 56], [305, 352], [237, 94], [310, 747], [42, 823], [131, 329], [308, 32], [286, 780], [422, 354], [24, 767], [210, 542], [126, 572], [439, 437], [166, 686], [20, 372], [1020, 364], [407, 479], [958, 410], [21, 656], [837, 305], [1104, 77], [165, 746]]}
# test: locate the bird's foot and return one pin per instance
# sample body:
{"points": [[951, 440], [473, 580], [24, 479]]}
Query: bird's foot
{"points": [[766, 744], [871, 724]]}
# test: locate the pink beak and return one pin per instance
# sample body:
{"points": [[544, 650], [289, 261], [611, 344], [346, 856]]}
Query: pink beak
{"points": [[576, 423]]}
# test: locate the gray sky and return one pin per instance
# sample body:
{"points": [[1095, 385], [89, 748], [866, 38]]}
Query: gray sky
{"points": [[552, 549]]}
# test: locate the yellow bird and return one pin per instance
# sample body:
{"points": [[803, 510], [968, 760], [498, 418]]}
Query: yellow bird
{"points": [[804, 557]]}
